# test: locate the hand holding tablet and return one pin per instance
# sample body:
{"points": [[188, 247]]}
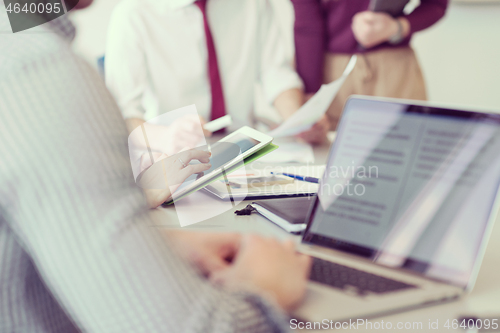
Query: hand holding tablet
{"points": [[162, 178], [171, 177], [227, 153]]}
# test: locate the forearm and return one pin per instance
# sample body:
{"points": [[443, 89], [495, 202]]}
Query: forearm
{"points": [[131, 271], [427, 14], [289, 101], [309, 35], [133, 123]]}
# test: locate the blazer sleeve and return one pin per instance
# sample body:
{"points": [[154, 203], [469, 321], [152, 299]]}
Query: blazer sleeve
{"points": [[310, 42]]}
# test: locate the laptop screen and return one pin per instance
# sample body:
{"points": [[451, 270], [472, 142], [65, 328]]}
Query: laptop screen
{"points": [[410, 186]]}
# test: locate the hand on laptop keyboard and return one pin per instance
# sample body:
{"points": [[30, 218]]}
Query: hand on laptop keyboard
{"points": [[270, 266], [343, 277]]}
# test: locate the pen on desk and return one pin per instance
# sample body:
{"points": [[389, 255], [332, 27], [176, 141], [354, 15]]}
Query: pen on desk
{"points": [[303, 178]]}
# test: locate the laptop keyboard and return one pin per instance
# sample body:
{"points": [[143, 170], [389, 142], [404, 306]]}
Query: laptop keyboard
{"points": [[346, 278]]}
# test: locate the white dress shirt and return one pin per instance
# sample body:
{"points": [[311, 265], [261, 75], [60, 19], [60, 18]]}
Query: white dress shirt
{"points": [[156, 56]]}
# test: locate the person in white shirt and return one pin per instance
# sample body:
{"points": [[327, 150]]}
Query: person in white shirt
{"points": [[158, 60]]}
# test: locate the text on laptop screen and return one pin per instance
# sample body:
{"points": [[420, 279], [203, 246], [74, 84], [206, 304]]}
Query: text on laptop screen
{"points": [[410, 186]]}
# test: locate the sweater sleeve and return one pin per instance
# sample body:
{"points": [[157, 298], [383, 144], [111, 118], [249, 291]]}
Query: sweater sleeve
{"points": [[427, 14], [68, 194], [309, 30]]}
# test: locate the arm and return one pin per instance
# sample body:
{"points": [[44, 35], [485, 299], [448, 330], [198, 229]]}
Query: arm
{"points": [[371, 29], [289, 101], [310, 37], [279, 77], [91, 237], [126, 77], [427, 14], [133, 123], [281, 83], [125, 65]]}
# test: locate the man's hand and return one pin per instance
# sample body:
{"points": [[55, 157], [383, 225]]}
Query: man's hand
{"points": [[317, 133], [162, 178], [210, 252], [372, 28], [268, 266]]}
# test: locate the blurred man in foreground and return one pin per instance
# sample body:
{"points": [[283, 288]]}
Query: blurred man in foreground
{"points": [[78, 247]]}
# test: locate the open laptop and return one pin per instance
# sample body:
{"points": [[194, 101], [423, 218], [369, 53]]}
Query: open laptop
{"points": [[404, 209]]}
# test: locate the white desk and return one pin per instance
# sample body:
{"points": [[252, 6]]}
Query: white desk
{"points": [[483, 300]]}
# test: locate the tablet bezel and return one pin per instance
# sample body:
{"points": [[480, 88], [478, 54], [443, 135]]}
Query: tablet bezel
{"points": [[263, 139]]}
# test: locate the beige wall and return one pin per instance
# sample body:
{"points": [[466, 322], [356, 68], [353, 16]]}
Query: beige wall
{"points": [[460, 56]]}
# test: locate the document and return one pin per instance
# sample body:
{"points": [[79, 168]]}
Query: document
{"points": [[313, 109], [290, 150]]}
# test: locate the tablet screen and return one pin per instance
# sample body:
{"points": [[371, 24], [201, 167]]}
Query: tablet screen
{"points": [[224, 152]]}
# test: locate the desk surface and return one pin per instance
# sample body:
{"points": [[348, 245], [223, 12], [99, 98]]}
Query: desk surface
{"points": [[484, 300]]}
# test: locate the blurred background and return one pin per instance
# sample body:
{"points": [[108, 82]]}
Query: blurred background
{"points": [[460, 56]]}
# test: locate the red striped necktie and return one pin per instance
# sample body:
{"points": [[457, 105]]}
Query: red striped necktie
{"points": [[218, 105]]}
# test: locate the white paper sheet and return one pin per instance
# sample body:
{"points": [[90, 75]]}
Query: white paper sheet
{"points": [[313, 109], [290, 150]]}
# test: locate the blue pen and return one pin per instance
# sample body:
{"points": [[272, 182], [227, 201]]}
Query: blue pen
{"points": [[303, 178]]}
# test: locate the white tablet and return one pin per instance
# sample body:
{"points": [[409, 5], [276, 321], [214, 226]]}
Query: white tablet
{"points": [[226, 153]]}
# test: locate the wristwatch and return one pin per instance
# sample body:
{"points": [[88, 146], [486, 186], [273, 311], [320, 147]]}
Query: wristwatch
{"points": [[398, 36]]}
